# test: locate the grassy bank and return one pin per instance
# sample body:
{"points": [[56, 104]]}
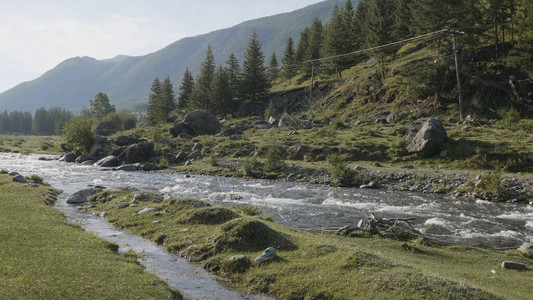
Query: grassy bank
{"points": [[43, 256], [30, 144], [315, 266]]}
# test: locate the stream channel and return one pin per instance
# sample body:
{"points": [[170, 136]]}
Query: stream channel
{"points": [[451, 220]]}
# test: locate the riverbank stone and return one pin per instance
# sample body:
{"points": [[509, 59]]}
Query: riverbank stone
{"points": [[81, 195], [426, 136], [510, 265], [19, 178], [268, 254]]}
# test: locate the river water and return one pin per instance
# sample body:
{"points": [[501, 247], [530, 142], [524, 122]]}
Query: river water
{"points": [[469, 222]]}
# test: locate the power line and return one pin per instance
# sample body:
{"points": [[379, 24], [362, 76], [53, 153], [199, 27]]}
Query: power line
{"points": [[381, 47]]}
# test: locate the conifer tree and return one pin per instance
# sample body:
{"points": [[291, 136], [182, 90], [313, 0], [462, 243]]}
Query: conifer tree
{"points": [[254, 83], [273, 68], [303, 47], [380, 22], [360, 23], [316, 39], [337, 33], [402, 19], [186, 87], [168, 99], [288, 67], [200, 94], [234, 74], [221, 94], [153, 99]]}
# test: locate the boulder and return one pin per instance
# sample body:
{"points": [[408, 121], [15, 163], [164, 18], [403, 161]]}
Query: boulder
{"points": [[81, 195], [128, 168], [82, 158], [372, 62], [126, 140], [268, 254], [69, 157], [140, 152], [426, 136], [108, 161], [199, 122], [147, 167], [182, 156], [19, 178], [197, 146], [147, 210], [194, 154], [510, 265], [272, 121], [298, 151], [97, 152], [105, 128]]}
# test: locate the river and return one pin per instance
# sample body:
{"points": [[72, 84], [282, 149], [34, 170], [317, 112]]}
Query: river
{"points": [[468, 222]]}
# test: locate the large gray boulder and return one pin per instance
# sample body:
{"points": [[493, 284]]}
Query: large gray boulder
{"points": [[199, 122], [140, 152], [69, 157], [126, 140], [108, 161], [105, 128], [81, 195], [426, 136]]}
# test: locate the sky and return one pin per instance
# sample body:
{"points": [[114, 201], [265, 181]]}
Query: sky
{"points": [[37, 35]]}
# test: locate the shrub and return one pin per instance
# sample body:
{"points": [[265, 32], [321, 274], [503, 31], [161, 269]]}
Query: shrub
{"points": [[213, 160], [274, 161], [337, 167], [36, 179], [511, 120], [78, 133], [121, 120], [250, 166], [491, 180]]}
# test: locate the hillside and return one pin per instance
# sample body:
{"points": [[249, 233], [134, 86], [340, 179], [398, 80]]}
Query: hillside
{"points": [[126, 80]]}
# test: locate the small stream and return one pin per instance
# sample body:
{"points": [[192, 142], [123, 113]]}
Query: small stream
{"points": [[468, 222]]}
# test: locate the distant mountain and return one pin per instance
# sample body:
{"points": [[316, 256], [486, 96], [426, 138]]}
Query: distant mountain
{"points": [[126, 80]]}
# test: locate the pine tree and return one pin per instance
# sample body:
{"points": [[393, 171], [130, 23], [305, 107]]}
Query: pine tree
{"points": [[288, 68], [349, 25], [201, 90], [168, 99], [337, 33], [380, 22], [153, 99], [360, 23], [432, 15], [273, 68], [402, 19], [221, 94], [234, 74], [254, 83], [316, 39], [302, 49], [186, 87]]}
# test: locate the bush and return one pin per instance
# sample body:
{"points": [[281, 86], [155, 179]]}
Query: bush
{"points": [[511, 120], [274, 161], [337, 167], [491, 180], [36, 179], [121, 120], [78, 133], [213, 160], [250, 166]]}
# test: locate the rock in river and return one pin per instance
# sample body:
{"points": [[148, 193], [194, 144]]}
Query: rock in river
{"points": [[81, 195]]}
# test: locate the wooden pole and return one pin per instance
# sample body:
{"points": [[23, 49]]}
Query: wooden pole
{"points": [[459, 87]]}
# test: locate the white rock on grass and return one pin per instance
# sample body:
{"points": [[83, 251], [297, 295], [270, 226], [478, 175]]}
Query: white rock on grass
{"points": [[268, 254]]}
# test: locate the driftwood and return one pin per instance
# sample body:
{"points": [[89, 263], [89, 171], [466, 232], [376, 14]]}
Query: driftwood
{"points": [[398, 228]]}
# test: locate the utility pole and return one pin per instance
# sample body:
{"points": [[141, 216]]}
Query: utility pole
{"points": [[459, 87]]}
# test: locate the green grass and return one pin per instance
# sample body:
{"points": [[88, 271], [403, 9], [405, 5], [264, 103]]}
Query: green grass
{"points": [[43, 256], [320, 266], [30, 144]]}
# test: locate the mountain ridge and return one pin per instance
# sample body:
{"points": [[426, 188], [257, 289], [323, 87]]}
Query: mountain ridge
{"points": [[126, 79]]}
